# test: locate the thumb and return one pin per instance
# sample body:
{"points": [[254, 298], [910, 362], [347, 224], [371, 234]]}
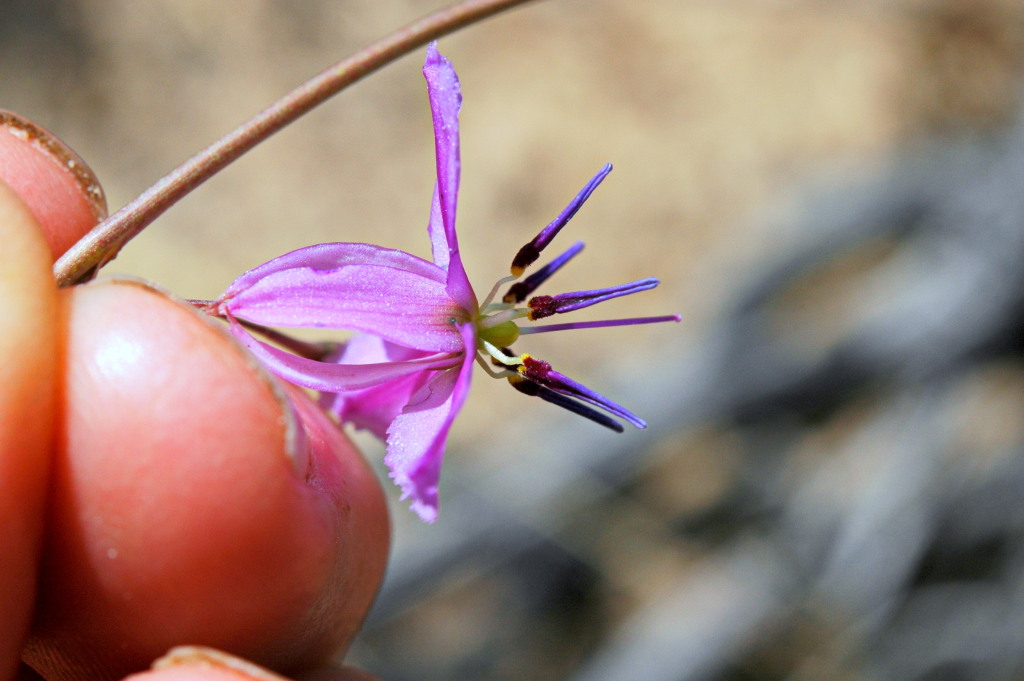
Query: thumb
{"points": [[27, 397]]}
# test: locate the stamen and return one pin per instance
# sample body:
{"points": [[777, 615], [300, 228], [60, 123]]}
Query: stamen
{"points": [[548, 395], [599, 324], [494, 290], [517, 293], [504, 373], [545, 306], [495, 352], [501, 317], [492, 308], [529, 253], [539, 371]]}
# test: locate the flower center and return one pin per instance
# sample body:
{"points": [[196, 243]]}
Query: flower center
{"points": [[502, 334], [497, 329]]}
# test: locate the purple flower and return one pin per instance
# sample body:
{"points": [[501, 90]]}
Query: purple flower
{"points": [[406, 373]]}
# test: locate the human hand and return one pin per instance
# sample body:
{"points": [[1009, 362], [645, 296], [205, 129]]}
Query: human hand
{"points": [[156, 488]]}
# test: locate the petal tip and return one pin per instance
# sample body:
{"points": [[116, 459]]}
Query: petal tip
{"points": [[426, 512], [423, 498], [433, 56]]}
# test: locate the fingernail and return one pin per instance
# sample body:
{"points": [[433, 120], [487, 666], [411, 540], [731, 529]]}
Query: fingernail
{"points": [[296, 440], [46, 141], [193, 656]]}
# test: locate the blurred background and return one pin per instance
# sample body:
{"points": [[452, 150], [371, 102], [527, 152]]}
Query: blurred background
{"points": [[832, 486]]}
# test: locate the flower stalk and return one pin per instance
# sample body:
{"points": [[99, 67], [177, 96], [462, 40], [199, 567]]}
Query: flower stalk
{"points": [[101, 245]]}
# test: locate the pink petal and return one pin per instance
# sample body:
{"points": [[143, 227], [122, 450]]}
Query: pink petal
{"points": [[364, 348], [406, 304], [445, 97], [328, 377], [333, 255], [417, 437], [375, 408], [435, 229]]}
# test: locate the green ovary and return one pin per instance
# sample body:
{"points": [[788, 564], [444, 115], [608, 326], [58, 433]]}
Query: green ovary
{"points": [[502, 335]]}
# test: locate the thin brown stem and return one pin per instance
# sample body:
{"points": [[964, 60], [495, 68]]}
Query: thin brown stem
{"points": [[307, 349], [102, 244]]}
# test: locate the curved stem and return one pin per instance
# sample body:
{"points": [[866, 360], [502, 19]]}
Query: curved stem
{"points": [[309, 350], [102, 244]]}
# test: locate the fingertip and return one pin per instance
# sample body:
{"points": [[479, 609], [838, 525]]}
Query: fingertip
{"points": [[177, 513], [58, 187]]}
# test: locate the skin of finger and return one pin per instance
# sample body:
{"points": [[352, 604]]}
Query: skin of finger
{"points": [[39, 173], [176, 516], [28, 317]]}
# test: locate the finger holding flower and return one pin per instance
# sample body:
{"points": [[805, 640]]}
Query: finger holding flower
{"points": [[158, 486]]}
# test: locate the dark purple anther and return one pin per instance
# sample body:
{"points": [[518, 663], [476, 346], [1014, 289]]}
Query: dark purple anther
{"points": [[551, 397], [545, 306], [529, 253], [539, 371], [518, 292]]}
